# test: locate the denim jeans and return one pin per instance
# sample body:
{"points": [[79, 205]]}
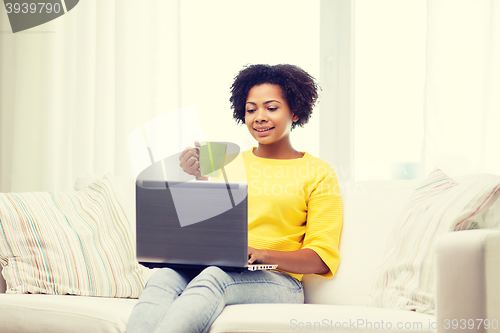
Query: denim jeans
{"points": [[181, 301]]}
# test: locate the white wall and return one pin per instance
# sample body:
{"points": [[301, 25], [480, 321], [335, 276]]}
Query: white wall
{"points": [[219, 37], [73, 89]]}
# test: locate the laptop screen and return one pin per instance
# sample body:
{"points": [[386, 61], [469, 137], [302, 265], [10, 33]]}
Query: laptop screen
{"points": [[192, 223]]}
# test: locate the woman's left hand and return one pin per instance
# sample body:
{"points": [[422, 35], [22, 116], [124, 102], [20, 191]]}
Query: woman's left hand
{"points": [[304, 261], [256, 256]]}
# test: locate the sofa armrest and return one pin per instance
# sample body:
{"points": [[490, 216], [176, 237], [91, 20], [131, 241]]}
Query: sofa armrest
{"points": [[468, 271]]}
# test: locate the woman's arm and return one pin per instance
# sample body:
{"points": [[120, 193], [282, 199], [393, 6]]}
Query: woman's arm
{"points": [[304, 261]]}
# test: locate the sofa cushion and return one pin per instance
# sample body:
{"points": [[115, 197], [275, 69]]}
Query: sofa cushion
{"points": [[251, 318], [71, 314], [406, 279], [63, 313], [68, 242]]}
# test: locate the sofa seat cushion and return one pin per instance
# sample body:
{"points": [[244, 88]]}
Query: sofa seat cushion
{"points": [[72, 314], [320, 318], [37, 313]]}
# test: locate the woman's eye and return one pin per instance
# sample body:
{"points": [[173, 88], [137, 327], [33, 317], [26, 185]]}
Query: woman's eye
{"points": [[250, 111], [272, 109]]}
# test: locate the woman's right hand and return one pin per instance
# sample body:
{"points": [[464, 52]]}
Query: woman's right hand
{"points": [[189, 161]]}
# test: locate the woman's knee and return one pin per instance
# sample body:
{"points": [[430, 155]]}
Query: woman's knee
{"points": [[211, 277], [166, 278], [213, 271]]}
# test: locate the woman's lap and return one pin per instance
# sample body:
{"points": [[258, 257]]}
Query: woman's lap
{"points": [[204, 297], [262, 287]]}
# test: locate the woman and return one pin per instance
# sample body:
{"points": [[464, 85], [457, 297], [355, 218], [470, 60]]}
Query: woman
{"points": [[294, 212]]}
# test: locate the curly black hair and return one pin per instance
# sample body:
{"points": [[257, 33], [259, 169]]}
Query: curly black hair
{"points": [[298, 87]]}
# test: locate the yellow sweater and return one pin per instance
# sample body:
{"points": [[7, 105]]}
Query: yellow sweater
{"points": [[292, 204]]}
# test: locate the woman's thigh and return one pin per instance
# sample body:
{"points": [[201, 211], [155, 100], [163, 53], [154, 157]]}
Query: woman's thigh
{"points": [[251, 286]]}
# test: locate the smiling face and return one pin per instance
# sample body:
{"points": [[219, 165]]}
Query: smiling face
{"points": [[267, 115]]}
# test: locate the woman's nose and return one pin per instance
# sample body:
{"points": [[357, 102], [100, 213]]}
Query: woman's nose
{"points": [[261, 115]]}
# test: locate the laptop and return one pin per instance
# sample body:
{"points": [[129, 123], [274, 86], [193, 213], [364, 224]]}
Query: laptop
{"points": [[192, 225]]}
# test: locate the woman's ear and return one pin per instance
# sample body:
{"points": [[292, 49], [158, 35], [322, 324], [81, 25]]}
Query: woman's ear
{"points": [[295, 118]]}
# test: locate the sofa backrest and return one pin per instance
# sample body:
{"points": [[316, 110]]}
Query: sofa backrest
{"points": [[370, 211]]}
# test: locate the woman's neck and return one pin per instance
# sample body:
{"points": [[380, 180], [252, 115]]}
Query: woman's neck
{"points": [[284, 153]]}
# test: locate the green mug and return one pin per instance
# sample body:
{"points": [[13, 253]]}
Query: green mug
{"points": [[212, 158]]}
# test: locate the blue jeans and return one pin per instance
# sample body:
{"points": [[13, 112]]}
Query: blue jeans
{"points": [[180, 301]]}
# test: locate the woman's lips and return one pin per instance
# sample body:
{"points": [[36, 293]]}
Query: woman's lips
{"points": [[264, 133]]}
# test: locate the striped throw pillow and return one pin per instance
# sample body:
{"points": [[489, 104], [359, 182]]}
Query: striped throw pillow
{"points": [[68, 242], [406, 278]]}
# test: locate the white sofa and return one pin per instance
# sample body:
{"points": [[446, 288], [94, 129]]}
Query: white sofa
{"points": [[466, 288]]}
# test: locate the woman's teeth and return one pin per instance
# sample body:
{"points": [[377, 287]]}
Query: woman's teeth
{"points": [[263, 130]]}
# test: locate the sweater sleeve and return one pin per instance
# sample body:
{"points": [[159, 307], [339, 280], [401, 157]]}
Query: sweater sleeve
{"points": [[324, 221]]}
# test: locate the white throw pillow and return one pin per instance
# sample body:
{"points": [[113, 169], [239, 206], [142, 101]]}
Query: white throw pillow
{"points": [[68, 242], [124, 188], [406, 278], [125, 191]]}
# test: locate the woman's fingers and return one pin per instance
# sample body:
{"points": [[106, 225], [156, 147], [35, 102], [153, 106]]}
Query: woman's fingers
{"points": [[189, 161], [188, 152], [251, 255]]}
